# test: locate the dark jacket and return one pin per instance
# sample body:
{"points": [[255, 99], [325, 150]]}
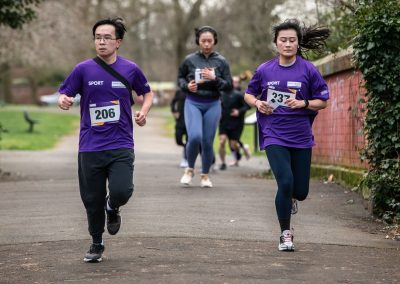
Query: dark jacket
{"points": [[210, 89], [233, 100], [178, 105]]}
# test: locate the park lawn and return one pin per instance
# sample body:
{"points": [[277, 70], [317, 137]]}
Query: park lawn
{"points": [[47, 132]]}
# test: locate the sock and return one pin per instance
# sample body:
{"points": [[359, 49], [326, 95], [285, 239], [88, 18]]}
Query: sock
{"points": [[97, 239], [285, 224], [109, 208]]}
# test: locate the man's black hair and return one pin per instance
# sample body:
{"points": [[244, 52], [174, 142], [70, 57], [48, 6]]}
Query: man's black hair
{"points": [[116, 22]]}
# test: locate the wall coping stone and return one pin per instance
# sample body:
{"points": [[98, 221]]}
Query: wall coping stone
{"points": [[336, 62]]}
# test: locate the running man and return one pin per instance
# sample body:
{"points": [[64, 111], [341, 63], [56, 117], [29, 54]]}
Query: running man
{"points": [[106, 153]]}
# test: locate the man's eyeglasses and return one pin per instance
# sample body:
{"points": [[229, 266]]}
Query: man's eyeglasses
{"points": [[105, 38]]}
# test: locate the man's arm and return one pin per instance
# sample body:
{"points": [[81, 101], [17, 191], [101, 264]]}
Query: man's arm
{"points": [[140, 116], [65, 102]]}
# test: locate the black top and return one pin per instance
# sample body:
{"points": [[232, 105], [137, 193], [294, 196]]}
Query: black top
{"points": [[209, 89], [233, 100]]}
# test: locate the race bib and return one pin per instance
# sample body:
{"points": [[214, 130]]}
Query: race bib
{"points": [[103, 113], [277, 98]]}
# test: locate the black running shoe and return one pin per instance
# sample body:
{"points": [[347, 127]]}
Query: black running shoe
{"points": [[222, 167], [113, 220], [94, 253]]}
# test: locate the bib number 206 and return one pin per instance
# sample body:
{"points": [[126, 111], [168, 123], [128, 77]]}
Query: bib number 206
{"points": [[104, 113]]}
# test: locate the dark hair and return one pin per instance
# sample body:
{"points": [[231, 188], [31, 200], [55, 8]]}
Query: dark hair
{"points": [[203, 29], [116, 22], [309, 38]]}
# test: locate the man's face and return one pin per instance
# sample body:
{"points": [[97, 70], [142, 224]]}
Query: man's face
{"points": [[105, 40]]}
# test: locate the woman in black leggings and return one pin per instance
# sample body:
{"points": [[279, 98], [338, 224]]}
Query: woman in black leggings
{"points": [[288, 91]]}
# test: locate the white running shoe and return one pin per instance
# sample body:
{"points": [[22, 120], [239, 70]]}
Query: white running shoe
{"points": [[187, 177], [205, 181], [286, 241], [184, 163]]}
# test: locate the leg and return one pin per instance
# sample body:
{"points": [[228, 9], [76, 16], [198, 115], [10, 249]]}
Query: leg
{"points": [[92, 185], [210, 123], [222, 152], [120, 176], [301, 167], [280, 162], [194, 126]]}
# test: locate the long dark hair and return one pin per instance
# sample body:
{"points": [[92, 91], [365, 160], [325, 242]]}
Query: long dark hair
{"points": [[309, 38]]}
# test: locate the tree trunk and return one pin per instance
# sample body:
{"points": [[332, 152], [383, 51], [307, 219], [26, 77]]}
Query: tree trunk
{"points": [[5, 78]]}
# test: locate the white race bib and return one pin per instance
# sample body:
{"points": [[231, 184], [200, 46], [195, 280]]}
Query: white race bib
{"points": [[106, 112], [277, 98]]}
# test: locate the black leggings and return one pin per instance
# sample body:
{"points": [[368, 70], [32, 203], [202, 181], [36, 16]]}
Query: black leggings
{"points": [[291, 168], [95, 169]]}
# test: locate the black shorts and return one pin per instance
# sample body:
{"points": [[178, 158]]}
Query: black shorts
{"points": [[233, 133]]}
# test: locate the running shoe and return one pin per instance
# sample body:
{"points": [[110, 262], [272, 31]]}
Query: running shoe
{"points": [[286, 241], [222, 167], [205, 181], [94, 253], [187, 177], [295, 206], [113, 219]]}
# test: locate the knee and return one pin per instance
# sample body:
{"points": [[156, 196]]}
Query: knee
{"points": [[301, 196], [121, 197], [285, 188], [195, 139]]}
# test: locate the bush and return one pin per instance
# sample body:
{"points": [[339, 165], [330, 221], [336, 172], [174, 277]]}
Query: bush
{"points": [[377, 57]]}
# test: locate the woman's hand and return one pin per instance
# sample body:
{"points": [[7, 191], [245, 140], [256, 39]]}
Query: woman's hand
{"points": [[208, 74], [263, 107], [293, 103], [192, 86]]}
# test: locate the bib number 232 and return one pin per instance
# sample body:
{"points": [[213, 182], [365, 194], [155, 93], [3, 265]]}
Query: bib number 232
{"points": [[102, 113]]}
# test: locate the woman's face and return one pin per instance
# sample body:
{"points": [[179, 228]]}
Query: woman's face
{"points": [[206, 43], [287, 43]]}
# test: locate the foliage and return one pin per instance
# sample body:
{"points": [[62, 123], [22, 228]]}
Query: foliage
{"points": [[15, 13], [339, 18], [377, 53], [51, 127]]}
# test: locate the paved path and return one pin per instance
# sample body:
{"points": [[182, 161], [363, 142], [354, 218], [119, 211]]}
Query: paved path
{"points": [[170, 234]]}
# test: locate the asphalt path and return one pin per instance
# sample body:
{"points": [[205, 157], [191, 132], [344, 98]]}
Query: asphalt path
{"points": [[170, 234]]}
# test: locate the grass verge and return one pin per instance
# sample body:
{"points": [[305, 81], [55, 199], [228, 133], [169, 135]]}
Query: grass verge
{"points": [[50, 128]]}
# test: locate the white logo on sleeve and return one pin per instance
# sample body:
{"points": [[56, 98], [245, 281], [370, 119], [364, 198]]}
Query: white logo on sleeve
{"points": [[95, 83]]}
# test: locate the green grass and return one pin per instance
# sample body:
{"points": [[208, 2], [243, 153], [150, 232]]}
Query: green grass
{"points": [[47, 132]]}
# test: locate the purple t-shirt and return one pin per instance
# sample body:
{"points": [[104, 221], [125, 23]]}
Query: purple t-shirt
{"points": [[285, 126], [105, 107]]}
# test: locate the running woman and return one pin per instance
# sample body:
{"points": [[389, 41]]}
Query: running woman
{"points": [[203, 75], [106, 152], [288, 91]]}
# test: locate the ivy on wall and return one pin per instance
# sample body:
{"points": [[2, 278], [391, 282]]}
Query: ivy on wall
{"points": [[377, 52]]}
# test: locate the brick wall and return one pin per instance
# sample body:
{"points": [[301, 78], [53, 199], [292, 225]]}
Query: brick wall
{"points": [[338, 128]]}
